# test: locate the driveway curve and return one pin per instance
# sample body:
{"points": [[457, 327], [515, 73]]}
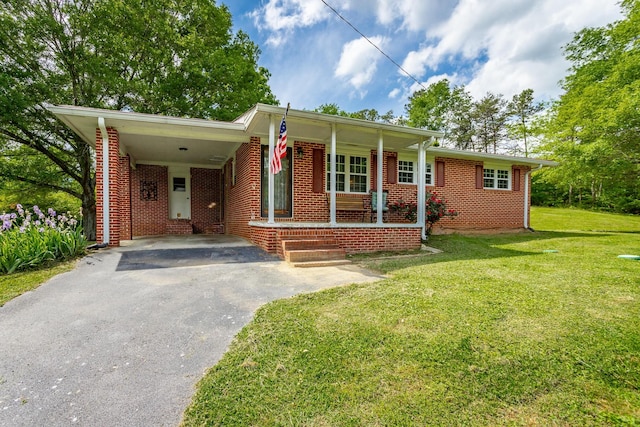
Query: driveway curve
{"points": [[123, 338]]}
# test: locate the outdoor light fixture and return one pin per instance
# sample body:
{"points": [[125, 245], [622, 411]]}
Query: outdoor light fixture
{"points": [[183, 148], [299, 152]]}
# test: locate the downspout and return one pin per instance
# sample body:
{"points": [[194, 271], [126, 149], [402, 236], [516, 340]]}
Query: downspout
{"points": [[526, 196], [105, 181]]}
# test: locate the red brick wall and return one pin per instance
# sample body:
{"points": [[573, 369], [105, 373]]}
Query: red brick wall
{"points": [[242, 202], [353, 240], [479, 208], [307, 205], [114, 179], [206, 199], [149, 217], [125, 199]]}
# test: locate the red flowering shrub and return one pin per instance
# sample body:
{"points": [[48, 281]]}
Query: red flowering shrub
{"points": [[436, 209]]}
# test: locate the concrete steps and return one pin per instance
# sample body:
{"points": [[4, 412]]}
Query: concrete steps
{"points": [[313, 251]]}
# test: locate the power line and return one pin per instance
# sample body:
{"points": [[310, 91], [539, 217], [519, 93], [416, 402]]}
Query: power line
{"points": [[373, 44]]}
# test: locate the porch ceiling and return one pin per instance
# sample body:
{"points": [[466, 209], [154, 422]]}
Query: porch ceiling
{"points": [[150, 138]]}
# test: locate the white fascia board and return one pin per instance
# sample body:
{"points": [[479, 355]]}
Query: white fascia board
{"points": [[346, 121], [490, 158]]}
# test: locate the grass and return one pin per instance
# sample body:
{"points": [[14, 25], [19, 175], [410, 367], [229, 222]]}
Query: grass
{"points": [[14, 285], [494, 331]]}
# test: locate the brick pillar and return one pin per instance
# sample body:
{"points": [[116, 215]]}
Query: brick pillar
{"points": [[114, 178], [124, 190]]}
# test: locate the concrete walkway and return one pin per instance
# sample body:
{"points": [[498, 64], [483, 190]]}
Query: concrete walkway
{"points": [[123, 338]]}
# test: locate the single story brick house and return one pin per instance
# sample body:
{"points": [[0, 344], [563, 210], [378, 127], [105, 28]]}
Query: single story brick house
{"points": [[165, 175]]}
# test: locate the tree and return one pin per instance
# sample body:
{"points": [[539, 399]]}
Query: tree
{"points": [[490, 117], [523, 109], [370, 114], [172, 58], [594, 130], [429, 108]]}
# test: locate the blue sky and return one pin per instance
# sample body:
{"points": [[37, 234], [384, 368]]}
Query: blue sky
{"points": [[500, 46]]}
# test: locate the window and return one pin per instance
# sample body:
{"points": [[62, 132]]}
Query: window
{"points": [[405, 172], [179, 184], [356, 175], [340, 172], [496, 178]]}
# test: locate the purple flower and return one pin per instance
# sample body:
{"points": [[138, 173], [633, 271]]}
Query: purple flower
{"points": [[6, 224], [37, 223], [37, 210], [22, 229], [51, 212], [40, 230]]}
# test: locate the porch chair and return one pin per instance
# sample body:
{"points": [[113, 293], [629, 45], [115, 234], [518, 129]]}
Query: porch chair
{"points": [[374, 204]]}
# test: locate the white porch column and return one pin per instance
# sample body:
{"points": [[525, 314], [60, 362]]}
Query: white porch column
{"points": [[332, 176], [379, 178], [272, 144], [421, 187], [105, 180]]}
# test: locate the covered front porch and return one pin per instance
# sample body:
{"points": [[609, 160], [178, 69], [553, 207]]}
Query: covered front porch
{"points": [[176, 175]]}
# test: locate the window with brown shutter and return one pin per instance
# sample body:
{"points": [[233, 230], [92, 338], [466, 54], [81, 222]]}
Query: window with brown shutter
{"points": [[392, 170], [439, 174], [479, 177], [516, 180], [318, 170]]}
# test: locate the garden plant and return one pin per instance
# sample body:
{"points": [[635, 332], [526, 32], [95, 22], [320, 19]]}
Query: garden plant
{"points": [[436, 209], [30, 239]]}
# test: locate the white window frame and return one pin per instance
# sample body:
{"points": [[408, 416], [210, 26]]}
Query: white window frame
{"points": [[408, 169], [496, 178], [347, 171], [428, 176], [428, 171]]}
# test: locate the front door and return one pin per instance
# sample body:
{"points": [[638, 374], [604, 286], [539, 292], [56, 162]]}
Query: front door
{"points": [[179, 193]]}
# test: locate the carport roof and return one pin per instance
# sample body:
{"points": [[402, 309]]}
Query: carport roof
{"points": [[152, 138]]}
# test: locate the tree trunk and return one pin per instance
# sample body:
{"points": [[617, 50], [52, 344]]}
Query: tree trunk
{"points": [[88, 184]]}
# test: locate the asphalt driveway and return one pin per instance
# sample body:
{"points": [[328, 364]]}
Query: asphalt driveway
{"points": [[123, 338]]}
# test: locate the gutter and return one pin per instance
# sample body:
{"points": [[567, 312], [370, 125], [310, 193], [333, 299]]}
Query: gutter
{"points": [[105, 180], [526, 196]]}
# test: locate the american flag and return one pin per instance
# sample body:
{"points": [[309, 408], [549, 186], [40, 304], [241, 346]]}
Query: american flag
{"points": [[280, 149]]}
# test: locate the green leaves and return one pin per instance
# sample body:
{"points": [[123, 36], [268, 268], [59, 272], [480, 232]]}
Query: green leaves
{"points": [[594, 130]]}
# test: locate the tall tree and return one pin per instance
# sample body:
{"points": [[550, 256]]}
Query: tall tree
{"points": [[429, 108], [523, 109], [168, 57], [595, 128], [490, 117]]}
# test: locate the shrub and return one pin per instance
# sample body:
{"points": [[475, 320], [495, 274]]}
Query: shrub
{"points": [[436, 209], [28, 240]]}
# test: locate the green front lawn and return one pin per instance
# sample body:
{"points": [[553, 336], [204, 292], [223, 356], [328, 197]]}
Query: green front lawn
{"points": [[14, 285], [494, 331]]}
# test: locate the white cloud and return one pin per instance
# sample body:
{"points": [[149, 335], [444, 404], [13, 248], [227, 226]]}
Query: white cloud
{"points": [[358, 61], [282, 17], [415, 15], [508, 45]]}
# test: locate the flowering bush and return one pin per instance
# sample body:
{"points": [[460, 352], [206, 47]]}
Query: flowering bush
{"points": [[29, 239], [436, 209]]}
